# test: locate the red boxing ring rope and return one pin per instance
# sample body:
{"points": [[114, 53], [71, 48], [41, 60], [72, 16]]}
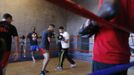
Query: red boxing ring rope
{"points": [[79, 10]]}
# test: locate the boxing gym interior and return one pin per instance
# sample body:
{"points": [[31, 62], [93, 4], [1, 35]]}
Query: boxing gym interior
{"points": [[72, 15]]}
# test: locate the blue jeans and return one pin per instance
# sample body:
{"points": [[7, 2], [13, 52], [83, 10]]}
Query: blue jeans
{"points": [[99, 66]]}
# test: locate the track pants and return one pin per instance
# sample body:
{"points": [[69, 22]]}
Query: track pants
{"points": [[64, 54]]}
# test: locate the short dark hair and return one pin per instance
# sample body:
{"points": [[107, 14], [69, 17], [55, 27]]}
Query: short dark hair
{"points": [[61, 27], [52, 25], [7, 15]]}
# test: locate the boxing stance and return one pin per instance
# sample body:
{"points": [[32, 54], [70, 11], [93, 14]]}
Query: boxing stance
{"points": [[44, 46], [64, 39], [7, 31], [33, 38]]}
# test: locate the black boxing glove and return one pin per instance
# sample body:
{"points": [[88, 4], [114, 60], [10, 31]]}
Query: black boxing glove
{"points": [[88, 29], [60, 37]]}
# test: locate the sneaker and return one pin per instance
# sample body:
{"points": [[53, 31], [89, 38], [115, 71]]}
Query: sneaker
{"points": [[59, 68], [34, 61], [73, 65], [42, 73]]}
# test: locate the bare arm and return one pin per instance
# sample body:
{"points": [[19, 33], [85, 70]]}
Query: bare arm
{"points": [[17, 43], [16, 54], [49, 39], [16, 37]]}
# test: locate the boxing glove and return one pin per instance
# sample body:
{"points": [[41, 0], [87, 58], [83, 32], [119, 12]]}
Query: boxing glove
{"points": [[60, 37], [88, 29]]}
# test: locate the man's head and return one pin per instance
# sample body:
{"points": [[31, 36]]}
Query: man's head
{"points": [[51, 27], [8, 17], [33, 29], [61, 29]]}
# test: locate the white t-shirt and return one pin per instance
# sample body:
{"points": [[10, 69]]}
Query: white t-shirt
{"points": [[66, 37]]}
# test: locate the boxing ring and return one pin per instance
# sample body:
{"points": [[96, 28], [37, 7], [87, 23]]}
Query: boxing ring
{"points": [[79, 10]]}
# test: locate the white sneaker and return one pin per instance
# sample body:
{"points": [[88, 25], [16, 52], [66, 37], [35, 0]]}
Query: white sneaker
{"points": [[34, 61], [42, 73], [73, 65], [59, 68]]}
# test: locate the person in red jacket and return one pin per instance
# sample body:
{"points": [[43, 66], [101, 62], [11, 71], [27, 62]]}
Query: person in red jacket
{"points": [[111, 43]]}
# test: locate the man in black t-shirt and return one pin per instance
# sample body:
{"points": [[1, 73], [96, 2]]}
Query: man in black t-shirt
{"points": [[33, 38], [7, 31]]}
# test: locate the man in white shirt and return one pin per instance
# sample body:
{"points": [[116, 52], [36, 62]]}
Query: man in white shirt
{"points": [[65, 43]]}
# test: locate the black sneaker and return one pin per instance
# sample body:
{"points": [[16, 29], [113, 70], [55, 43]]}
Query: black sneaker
{"points": [[42, 73]]}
